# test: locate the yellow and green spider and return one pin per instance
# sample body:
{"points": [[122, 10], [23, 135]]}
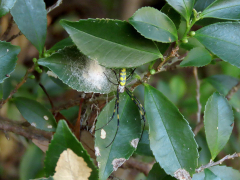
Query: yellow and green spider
{"points": [[120, 89]]}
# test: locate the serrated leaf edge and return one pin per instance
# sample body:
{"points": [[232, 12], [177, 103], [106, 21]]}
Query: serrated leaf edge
{"points": [[130, 19]]}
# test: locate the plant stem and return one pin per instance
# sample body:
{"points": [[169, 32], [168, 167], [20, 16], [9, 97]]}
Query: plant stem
{"points": [[212, 163], [17, 87]]}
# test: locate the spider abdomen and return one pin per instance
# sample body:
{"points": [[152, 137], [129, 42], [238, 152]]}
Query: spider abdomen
{"points": [[122, 77]]}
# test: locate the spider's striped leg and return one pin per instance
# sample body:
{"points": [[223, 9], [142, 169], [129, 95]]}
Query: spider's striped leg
{"points": [[111, 117], [136, 99], [140, 108], [130, 75], [117, 119]]}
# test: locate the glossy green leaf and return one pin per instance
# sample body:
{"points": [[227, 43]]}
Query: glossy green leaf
{"points": [[170, 133], [31, 18], [183, 7], [197, 57], [154, 25], [172, 14], [223, 9], [79, 72], [125, 143], [5, 6], [192, 43], [36, 114], [8, 59], [31, 162], [200, 5], [209, 175], [113, 43], [218, 123], [143, 147], [61, 45], [157, 173], [62, 140], [223, 172], [223, 40]]}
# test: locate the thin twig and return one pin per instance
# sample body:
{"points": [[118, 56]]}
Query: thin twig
{"points": [[54, 6], [22, 129], [17, 86], [233, 90], [5, 34], [45, 91], [212, 163], [198, 128], [14, 36], [166, 64], [195, 72], [78, 123]]}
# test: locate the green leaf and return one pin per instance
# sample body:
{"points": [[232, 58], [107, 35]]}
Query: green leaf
{"points": [[223, 40], [113, 43], [36, 114], [5, 6], [61, 45], [62, 140], [157, 173], [8, 59], [223, 83], [200, 5], [170, 133], [192, 43], [79, 72], [218, 123], [31, 18], [172, 14], [154, 25], [209, 175], [125, 143], [183, 7], [223, 9], [197, 57], [222, 172], [1, 91], [31, 163], [143, 147]]}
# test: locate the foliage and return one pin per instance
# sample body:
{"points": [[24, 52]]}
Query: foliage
{"points": [[87, 61]]}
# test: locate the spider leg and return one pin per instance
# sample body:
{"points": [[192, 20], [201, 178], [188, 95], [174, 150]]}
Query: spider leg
{"points": [[140, 108], [111, 117], [130, 75], [117, 119]]}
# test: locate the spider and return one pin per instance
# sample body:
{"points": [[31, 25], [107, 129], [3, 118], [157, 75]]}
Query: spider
{"points": [[120, 89]]}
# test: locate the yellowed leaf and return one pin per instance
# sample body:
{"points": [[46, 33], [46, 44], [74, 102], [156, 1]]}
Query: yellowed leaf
{"points": [[43, 145], [71, 167]]}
